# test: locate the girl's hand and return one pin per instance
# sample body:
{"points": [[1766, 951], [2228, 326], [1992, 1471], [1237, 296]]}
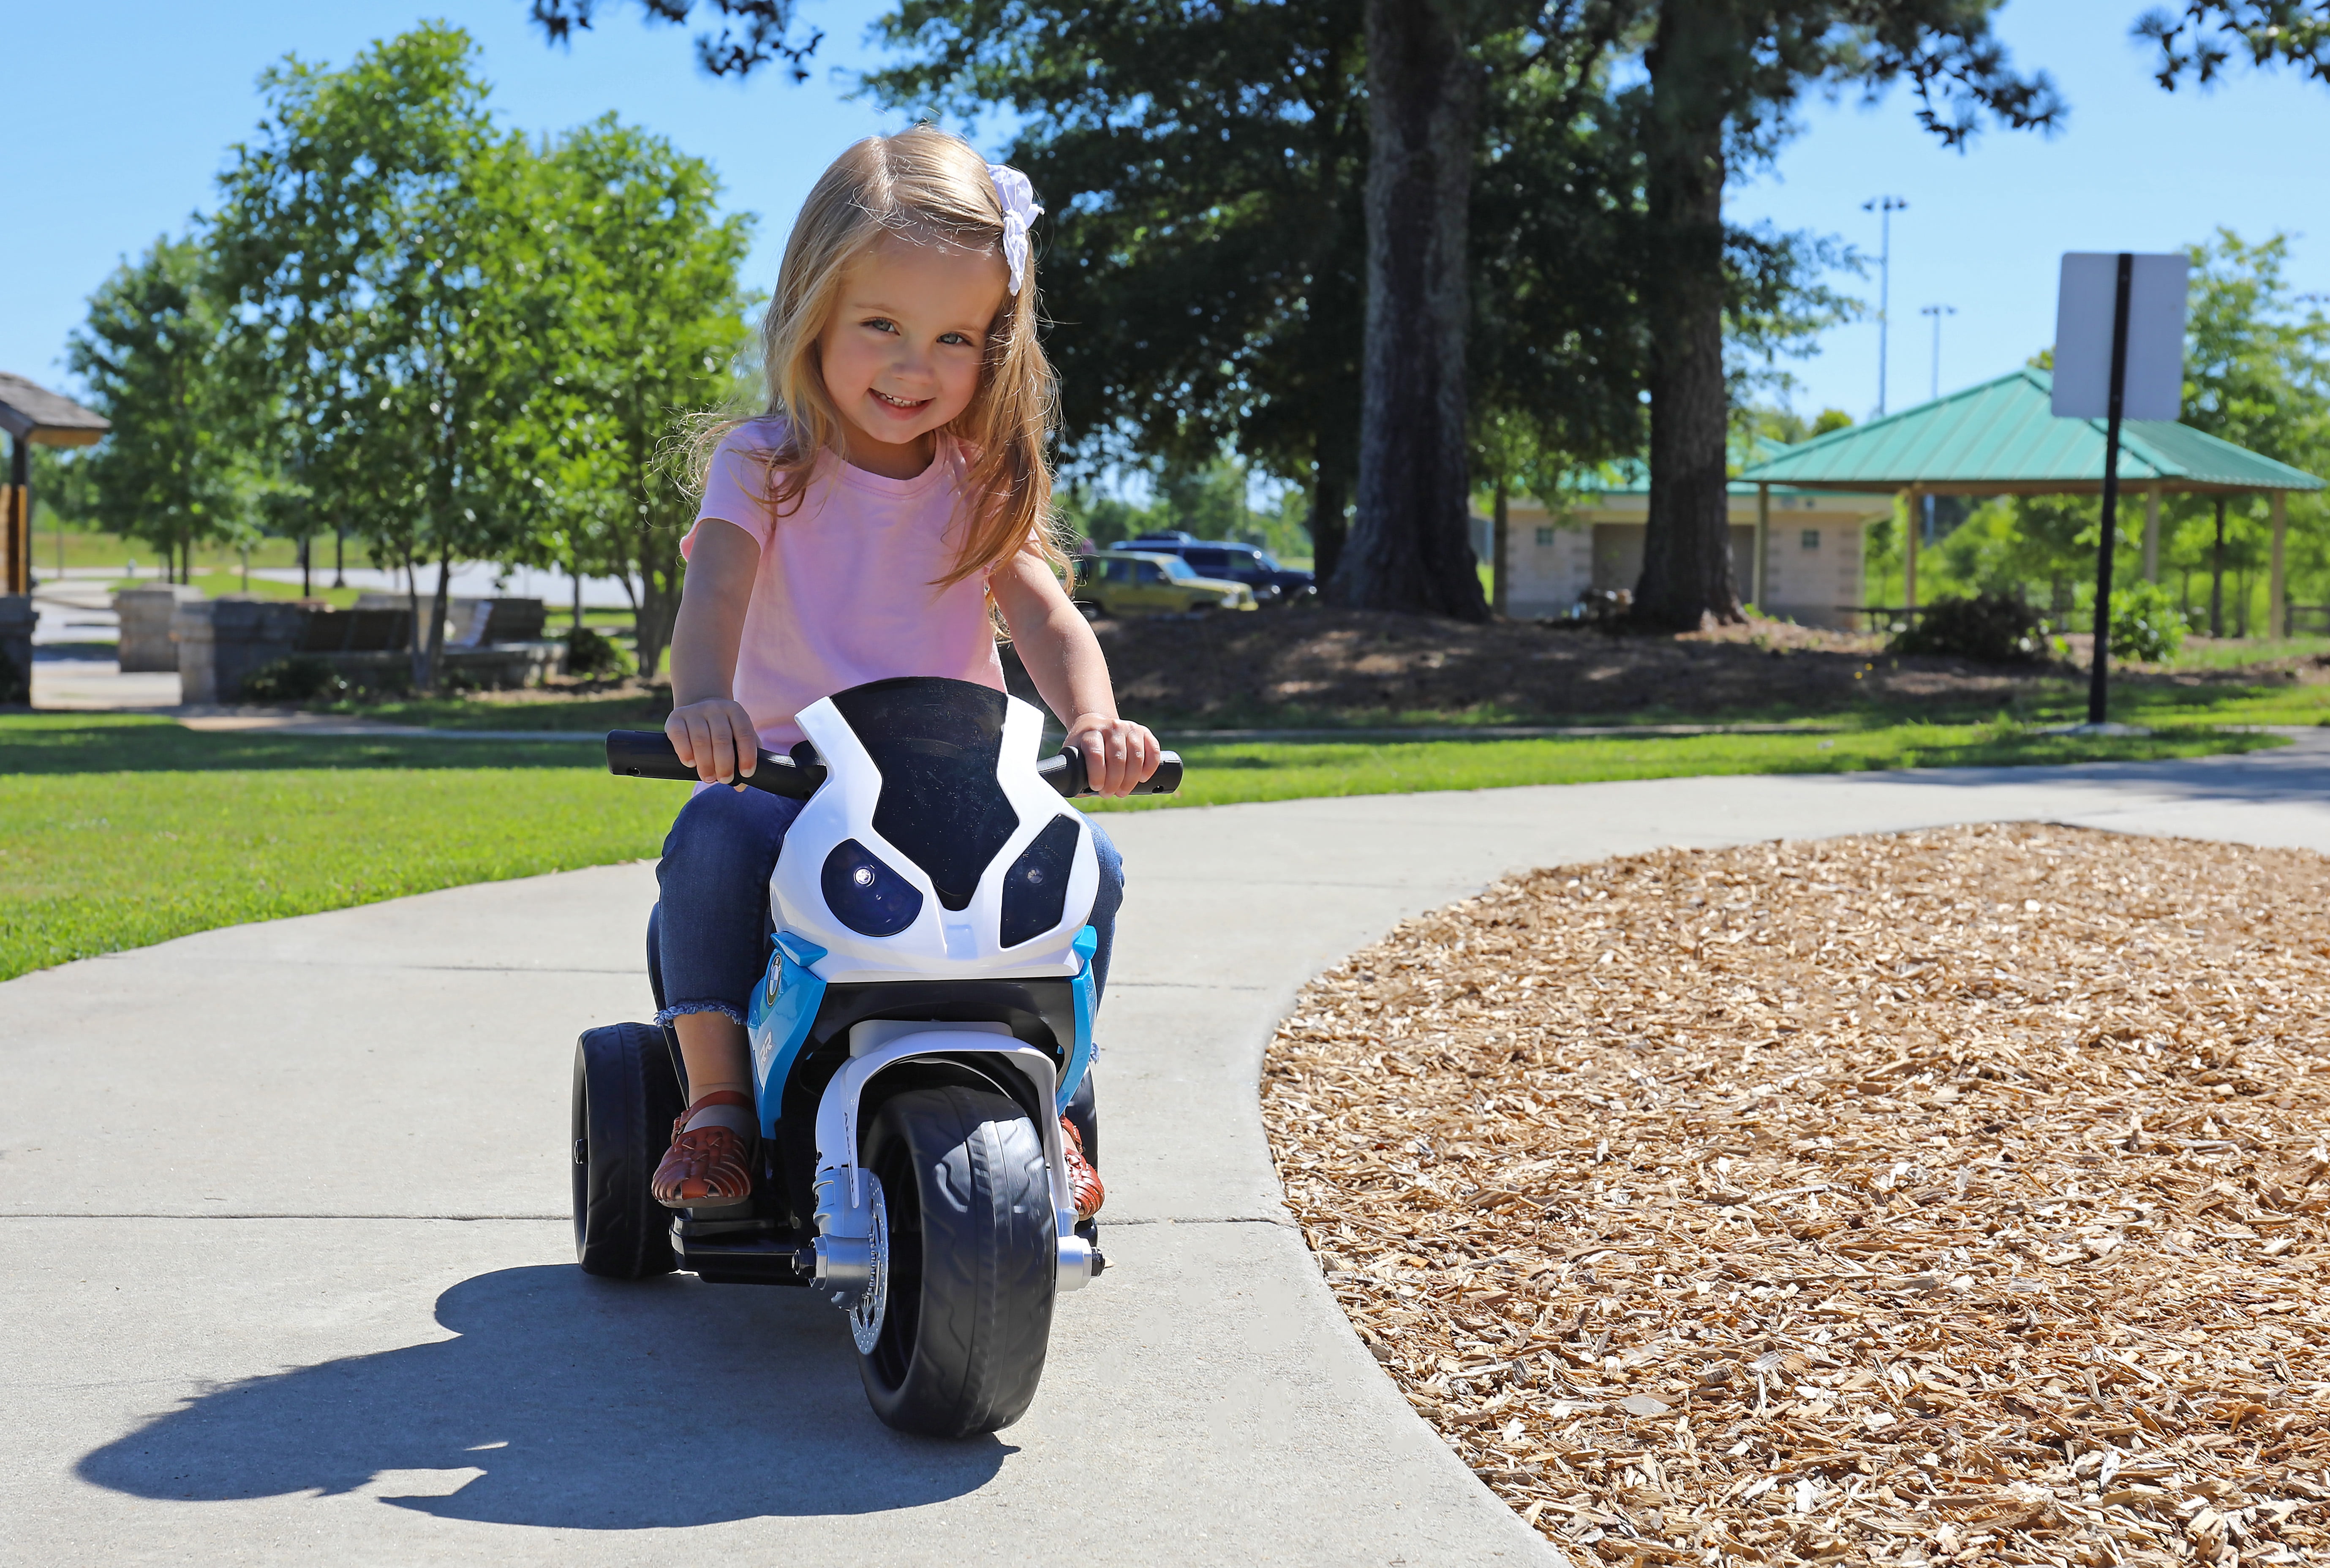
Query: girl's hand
{"points": [[1118, 753], [716, 738]]}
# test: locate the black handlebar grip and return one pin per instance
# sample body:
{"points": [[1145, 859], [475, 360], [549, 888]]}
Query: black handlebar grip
{"points": [[1166, 781], [1066, 773], [649, 754]]}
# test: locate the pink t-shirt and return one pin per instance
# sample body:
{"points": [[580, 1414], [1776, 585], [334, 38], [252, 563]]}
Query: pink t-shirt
{"points": [[844, 593]]}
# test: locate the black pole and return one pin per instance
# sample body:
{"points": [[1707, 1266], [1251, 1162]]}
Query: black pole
{"points": [[339, 556], [306, 586], [2099, 701]]}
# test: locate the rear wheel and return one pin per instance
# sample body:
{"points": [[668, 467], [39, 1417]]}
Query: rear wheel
{"points": [[970, 1262], [626, 1096]]}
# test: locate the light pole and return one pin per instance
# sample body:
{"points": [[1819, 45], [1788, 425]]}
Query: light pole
{"points": [[1937, 312], [1884, 207]]}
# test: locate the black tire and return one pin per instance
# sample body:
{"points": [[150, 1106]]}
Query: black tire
{"points": [[625, 1099], [974, 1259]]}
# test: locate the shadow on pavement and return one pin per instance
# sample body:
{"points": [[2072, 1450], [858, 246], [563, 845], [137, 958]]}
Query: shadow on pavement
{"points": [[588, 1404]]}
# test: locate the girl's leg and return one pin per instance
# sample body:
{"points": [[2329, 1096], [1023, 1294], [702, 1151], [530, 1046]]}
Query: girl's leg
{"points": [[1079, 1125], [1106, 904], [712, 927]]}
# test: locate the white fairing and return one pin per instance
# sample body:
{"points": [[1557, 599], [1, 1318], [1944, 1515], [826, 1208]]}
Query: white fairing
{"points": [[941, 943]]}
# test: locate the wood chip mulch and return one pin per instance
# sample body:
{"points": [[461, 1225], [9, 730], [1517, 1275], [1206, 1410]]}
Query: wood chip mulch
{"points": [[1950, 1196]]}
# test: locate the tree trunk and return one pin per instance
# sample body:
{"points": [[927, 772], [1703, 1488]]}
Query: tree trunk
{"points": [[420, 650], [1501, 549], [1410, 547], [1687, 545], [655, 608], [1330, 496], [437, 602]]}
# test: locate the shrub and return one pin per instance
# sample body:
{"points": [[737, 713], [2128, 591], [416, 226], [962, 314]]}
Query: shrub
{"points": [[589, 653], [1999, 628], [301, 678], [2147, 623]]}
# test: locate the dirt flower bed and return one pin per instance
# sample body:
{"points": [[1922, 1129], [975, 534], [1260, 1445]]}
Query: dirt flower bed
{"points": [[1953, 1195], [1360, 666]]}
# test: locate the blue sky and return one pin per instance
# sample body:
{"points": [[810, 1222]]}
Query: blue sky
{"points": [[139, 101]]}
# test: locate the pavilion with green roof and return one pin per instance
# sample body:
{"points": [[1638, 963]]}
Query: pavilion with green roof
{"points": [[2002, 438]]}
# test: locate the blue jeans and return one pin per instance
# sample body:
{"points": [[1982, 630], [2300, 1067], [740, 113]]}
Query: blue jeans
{"points": [[708, 939]]}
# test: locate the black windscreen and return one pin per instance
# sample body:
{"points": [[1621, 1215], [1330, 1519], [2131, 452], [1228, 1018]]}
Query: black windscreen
{"points": [[1036, 888], [937, 744]]}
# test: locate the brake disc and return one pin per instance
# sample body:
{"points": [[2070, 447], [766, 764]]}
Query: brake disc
{"points": [[866, 1317]]}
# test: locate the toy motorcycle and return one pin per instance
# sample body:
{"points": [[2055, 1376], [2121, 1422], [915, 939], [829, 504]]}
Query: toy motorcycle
{"points": [[925, 1020]]}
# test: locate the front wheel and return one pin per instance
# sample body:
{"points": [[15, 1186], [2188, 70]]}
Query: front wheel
{"points": [[970, 1275], [626, 1097]]}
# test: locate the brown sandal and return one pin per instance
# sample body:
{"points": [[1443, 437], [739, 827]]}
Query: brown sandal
{"points": [[1083, 1182], [710, 1166]]}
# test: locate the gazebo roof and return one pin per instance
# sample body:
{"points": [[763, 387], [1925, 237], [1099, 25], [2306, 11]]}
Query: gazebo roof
{"points": [[29, 409], [1632, 476], [2001, 438]]}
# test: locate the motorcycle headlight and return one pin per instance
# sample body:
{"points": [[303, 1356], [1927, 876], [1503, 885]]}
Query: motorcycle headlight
{"points": [[866, 896], [1036, 888]]}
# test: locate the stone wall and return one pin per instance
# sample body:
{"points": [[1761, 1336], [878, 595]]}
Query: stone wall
{"points": [[221, 642], [17, 618], [146, 616]]}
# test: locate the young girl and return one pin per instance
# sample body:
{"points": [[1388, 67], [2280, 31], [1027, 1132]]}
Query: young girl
{"points": [[861, 529]]}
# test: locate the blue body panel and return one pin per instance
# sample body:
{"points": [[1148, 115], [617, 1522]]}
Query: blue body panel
{"points": [[1080, 1053], [784, 1004]]}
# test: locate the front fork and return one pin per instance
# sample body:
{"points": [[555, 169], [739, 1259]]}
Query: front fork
{"points": [[845, 1246]]}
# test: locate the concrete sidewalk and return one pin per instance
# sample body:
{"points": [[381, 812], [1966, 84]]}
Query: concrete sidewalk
{"points": [[288, 1276]]}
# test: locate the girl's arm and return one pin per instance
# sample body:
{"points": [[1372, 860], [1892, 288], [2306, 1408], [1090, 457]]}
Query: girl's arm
{"points": [[708, 727], [1064, 659]]}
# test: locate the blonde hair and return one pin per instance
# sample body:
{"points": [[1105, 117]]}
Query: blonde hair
{"points": [[927, 185]]}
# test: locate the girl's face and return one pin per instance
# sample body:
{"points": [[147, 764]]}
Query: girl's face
{"points": [[902, 352]]}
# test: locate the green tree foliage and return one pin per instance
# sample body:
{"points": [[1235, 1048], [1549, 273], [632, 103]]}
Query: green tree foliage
{"points": [[1203, 164], [1211, 500], [177, 468], [376, 236], [643, 320], [749, 33], [2201, 38], [2256, 374], [471, 348], [61, 494], [2257, 354]]}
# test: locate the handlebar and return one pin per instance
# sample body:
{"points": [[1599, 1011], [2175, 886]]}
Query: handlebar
{"points": [[1066, 773], [649, 754]]}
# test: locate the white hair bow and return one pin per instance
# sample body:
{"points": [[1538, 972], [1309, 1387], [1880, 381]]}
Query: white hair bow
{"points": [[1019, 214]]}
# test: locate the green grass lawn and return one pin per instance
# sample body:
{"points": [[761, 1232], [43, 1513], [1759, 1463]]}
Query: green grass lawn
{"points": [[634, 711], [1222, 773], [117, 831]]}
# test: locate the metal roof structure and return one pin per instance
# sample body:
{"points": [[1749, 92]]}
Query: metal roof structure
{"points": [[2001, 438], [1632, 476], [30, 412]]}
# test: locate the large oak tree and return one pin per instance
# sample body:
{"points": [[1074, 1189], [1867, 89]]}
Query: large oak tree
{"points": [[1723, 76]]}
